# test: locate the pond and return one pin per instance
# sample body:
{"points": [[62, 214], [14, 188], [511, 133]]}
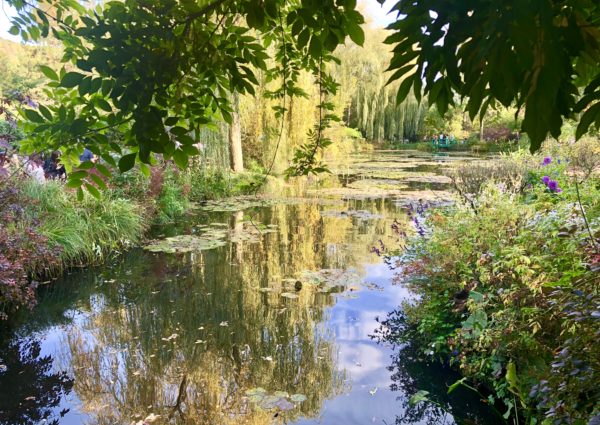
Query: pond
{"points": [[247, 312]]}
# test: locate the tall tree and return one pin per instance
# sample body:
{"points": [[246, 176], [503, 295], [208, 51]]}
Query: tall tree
{"points": [[235, 137], [156, 71]]}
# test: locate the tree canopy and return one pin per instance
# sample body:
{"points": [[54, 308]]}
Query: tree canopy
{"points": [[539, 55], [155, 72], [143, 77]]}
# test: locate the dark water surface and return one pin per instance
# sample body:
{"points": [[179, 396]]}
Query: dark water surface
{"points": [[226, 335]]}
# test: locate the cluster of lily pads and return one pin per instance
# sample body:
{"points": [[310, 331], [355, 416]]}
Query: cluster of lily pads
{"points": [[329, 279], [359, 214], [211, 236], [277, 400]]}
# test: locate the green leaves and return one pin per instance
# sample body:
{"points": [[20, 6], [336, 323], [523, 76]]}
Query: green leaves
{"points": [[356, 33], [33, 116], [418, 397], [71, 79], [127, 162], [126, 88], [49, 72], [534, 66]]}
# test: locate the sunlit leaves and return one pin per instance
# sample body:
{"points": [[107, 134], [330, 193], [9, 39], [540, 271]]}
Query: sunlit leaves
{"points": [[49, 72], [142, 81], [531, 54], [71, 79]]}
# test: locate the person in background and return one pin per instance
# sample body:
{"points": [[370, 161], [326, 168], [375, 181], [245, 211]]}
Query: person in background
{"points": [[33, 168], [87, 155], [52, 168]]}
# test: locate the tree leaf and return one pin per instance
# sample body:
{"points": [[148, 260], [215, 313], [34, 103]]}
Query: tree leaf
{"points": [[71, 79], [93, 190], [356, 33], [49, 72], [127, 162]]}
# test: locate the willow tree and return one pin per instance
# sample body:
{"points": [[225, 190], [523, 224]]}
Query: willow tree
{"points": [[158, 71], [370, 103]]}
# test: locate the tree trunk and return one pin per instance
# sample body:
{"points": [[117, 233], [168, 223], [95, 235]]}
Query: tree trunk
{"points": [[235, 137], [481, 129]]}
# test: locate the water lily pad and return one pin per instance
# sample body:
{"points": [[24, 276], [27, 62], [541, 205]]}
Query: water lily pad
{"points": [[359, 214], [281, 394], [265, 289], [270, 402], [328, 279], [298, 398], [186, 243], [284, 405], [256, 395]]}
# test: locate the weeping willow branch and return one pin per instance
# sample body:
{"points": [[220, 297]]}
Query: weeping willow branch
{"points": [[305, 159]]}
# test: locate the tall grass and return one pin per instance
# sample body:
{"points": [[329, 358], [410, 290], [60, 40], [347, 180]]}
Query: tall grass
{"points": [[88, 230]]}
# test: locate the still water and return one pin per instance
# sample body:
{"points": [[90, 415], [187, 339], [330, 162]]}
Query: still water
{"points": [[270, 325]]}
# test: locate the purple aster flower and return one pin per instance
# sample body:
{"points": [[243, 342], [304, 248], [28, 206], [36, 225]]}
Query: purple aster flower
{"points": [[546, 180], [553, 185], [547, 160]]}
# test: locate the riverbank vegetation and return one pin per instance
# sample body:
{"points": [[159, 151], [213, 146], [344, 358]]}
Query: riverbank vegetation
{"points": [[507, 284]]}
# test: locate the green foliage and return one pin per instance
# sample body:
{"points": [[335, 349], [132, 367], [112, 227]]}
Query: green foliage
{"points": [[167, 70], [536, 55], [10, 132], [507, 291], [172, 201], [85, 231]]}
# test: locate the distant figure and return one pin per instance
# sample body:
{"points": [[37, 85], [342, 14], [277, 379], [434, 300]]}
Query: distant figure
{"points": [[33, 168], [52, 169], [87, 155]]}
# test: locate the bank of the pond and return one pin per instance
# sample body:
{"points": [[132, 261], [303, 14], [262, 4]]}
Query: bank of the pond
{"points": [[507, 285], [47, 230]]}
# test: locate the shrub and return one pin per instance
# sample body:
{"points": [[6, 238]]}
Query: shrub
{"points": [[508, 291], [470, 179], [172, 201], [25, 255]]}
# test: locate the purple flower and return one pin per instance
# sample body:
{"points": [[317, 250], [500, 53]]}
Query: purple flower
{"points": [[547, 160], [553, 186], [546, 180]]}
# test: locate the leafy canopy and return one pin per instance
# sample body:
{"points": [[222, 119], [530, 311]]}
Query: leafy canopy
{"points": [[142, 77], [537, 54]]}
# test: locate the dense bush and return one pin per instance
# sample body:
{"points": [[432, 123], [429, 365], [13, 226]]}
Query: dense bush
{"points": [[45, 229], [25, 255], [508, 288]]}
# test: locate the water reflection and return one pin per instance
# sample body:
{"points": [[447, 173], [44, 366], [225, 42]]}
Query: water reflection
{"points": [[187, 337], [411, 371], [30, 389]]}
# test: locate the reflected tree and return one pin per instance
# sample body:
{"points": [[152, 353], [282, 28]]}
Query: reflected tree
{"points": [[30, 390], [413, 371]]}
